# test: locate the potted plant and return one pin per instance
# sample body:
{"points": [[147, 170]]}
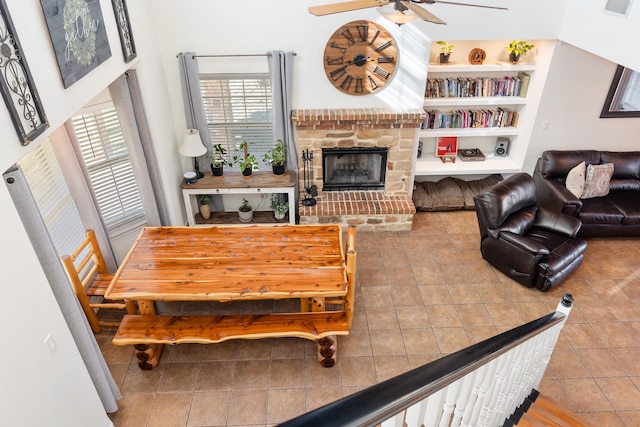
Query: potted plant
{"points": [[280, 205], [445, 51], [218, 160], [203, 203], [245, 211], [247, 162], [517, 48], [277, 157]]}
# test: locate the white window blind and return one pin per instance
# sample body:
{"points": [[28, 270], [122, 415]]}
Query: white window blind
{"points": [[103, 149], [631, 99], [51, 193], [238, 108]]}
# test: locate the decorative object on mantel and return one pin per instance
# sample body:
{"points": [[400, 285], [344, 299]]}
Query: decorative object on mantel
{"points": [[78, 36], [477, 56], [445, 51], [248, 162], [218, 160], [18, 89], [192, 146], [276, 157], [309, 190], [124, 29], [245, 211], [517, 48]]}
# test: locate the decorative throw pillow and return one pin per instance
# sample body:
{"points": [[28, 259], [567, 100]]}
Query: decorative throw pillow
{"points": [[575, 179], [596, 183]]}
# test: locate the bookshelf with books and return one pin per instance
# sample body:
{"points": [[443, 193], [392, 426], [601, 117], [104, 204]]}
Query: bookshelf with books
{"points": [[479, 104]]}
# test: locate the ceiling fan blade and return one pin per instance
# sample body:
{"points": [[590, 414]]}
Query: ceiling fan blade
{"points": [[459, 4], [328, 9], [423, 13]]}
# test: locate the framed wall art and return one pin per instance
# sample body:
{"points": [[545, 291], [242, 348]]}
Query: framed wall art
{"points": [[124, 29], [78, 36], [16, 83]]}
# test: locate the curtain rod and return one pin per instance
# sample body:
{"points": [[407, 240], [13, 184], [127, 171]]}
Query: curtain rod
{"points": [[235, 55]]}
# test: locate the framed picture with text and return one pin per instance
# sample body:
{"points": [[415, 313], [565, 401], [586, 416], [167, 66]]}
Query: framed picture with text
{"points": [[124, 29], [78, 36]]}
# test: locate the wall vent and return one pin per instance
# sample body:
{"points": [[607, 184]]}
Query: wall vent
{"points": [[619, 7]]}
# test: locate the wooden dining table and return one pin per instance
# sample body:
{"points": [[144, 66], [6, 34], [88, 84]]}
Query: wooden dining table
{"points": [[232, 263]]}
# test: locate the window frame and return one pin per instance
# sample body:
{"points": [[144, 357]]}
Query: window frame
{"points": [[620, 84]]}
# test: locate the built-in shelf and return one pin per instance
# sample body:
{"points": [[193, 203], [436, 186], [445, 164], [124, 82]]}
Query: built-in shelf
{"points": [[429, 164], [478, 69], [473, 101], [506, 131]]}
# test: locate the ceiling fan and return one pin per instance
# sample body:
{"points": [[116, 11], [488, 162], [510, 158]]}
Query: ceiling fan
{"points": [[400, 7]]}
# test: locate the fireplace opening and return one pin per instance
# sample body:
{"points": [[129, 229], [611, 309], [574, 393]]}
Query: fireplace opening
{"points": [[356, 168]]}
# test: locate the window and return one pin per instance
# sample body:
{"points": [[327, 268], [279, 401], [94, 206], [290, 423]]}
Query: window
{"points": [[623, 99], [238, 108], [51, 194], [101, 145]]}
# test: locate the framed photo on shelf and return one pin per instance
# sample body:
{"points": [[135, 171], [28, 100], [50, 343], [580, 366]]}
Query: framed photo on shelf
{"points": [[447, 148]]}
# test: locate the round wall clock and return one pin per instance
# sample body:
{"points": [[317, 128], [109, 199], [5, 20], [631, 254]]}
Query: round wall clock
{"points": [[360, 58]]}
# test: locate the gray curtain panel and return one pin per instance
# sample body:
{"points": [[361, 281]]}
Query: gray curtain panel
{"points": [[281, 69], [192, 98], [69, 305]]}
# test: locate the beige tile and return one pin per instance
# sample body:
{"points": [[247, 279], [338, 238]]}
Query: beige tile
{"points": [[357, 343], [601, 363], [628, 358], [381, 318], [387, 342], [406, 296], [133, 410], [357, 371], [287, 373], [582, 335], [170, 410], [585, 395], [400, 276], [209, 408], [419, 341], [320, 396], [247, 407], [285, 404], [504, 314], [613, 335], [435, 294], [443, 316], [390, 366], [178, 376], [568, 364], [451, 339], [251, 374], [215, 375], [621, 393], [377, 296], [412, 317], [473, 315]]}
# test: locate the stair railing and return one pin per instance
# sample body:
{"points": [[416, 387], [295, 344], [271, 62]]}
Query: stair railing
{"points": [[481, 385]]}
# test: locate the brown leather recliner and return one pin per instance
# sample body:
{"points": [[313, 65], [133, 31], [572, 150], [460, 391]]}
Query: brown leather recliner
{"points": [[532, 245]]}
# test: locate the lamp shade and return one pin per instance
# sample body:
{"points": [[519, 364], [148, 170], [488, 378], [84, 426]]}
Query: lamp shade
{"points": [[192, 145], [397, 16]]}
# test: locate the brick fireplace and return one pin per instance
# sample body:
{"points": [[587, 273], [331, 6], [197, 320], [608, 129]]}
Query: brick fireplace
{"points": [[387, 207]]}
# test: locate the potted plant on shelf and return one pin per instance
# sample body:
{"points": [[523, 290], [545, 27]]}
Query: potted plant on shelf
{"points": [[247, 162], [445, 51], [280, 205], [245, 211], [203, 203], [517, 48], [218, 160], [277, 157]]}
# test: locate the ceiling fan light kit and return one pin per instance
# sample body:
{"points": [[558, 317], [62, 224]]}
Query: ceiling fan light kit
{"points": [[398, 17]]}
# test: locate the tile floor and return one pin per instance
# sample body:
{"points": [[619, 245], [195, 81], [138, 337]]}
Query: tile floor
{"points": [[421, 295]]}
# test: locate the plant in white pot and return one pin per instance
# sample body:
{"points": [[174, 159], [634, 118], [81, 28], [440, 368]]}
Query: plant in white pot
{"points": [[276, 157], [245, 211], [203, 203], [280, 205], [218, 160]]}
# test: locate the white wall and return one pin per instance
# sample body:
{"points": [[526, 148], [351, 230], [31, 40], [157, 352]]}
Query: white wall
{"points": [[56, 385]]}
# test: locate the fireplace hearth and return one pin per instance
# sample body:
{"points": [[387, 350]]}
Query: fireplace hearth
{"points": [[355, 168]]}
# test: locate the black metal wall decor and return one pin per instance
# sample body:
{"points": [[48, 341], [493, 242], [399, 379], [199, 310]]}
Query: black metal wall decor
{"points": [[79, 39], [16, 83], [124, 29]]}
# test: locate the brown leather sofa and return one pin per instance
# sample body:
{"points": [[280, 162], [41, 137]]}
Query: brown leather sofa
{"points": [[615, 214], [532, 245]]}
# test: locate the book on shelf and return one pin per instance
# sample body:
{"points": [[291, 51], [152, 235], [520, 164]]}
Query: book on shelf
{"points": [[524, 83]]}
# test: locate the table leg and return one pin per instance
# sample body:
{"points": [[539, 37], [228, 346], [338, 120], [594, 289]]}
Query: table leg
{"points": [[327, 351], [148, 355]]}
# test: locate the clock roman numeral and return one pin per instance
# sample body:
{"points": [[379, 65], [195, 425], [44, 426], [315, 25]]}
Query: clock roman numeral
{"points": [[381, 72], [385, 59], [383, 46], [346, 33], [335, 61], [359, 85], [336, 74], [346, 82], [375, 36], [336, 46], [372, 83], [363, 30]]}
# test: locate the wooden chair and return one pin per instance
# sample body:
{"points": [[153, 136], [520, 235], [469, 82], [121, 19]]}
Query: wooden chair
{"points": [[89, 277]]}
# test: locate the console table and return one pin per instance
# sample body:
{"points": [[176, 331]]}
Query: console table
{"points": [[259, 182]]}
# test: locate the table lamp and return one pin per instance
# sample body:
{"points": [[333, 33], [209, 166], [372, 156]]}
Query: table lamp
{"points": [[192, 146]]}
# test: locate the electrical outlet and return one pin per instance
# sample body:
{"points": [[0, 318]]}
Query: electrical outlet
{"points": [[51, 343]]}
